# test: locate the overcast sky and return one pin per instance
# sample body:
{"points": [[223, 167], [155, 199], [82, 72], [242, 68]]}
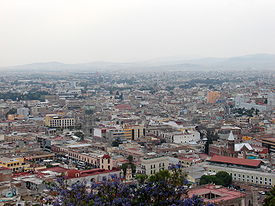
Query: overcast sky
{"points": [[74, 31]]}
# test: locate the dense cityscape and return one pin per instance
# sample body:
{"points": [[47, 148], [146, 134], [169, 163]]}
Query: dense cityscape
{"points": [[137, 103], [137, 138]]}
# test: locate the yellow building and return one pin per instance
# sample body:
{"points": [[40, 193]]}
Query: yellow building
{"points": [[128, 132], [57, 121], [213, 96], [16, 164]]}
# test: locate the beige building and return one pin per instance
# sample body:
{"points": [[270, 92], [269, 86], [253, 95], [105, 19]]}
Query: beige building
{"points": [[152, 165], [57, 121], [251, 176]]}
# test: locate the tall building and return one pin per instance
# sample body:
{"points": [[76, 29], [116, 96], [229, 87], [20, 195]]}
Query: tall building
{"points": [[213, 96], [57, 121]]}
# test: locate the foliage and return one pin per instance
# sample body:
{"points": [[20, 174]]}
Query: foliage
{"points": [[221, 178], [245, 112], [125, 166], [164, 188], [116, 143], [35, 95], [270, 198], [80, 135], [130, 158]]}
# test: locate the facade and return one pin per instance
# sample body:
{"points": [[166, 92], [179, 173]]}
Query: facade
{"points": [[96, 160], [269, 143], [245, 175], [57, 121], [153, 165], [124, 133], [241, 170], [15, 164]]}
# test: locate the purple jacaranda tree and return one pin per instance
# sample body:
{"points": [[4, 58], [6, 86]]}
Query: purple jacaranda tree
{"points": [[162, 189]]}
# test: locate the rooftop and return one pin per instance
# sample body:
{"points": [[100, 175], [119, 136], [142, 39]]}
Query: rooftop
{"points": [[235, 161], [215, 193]]}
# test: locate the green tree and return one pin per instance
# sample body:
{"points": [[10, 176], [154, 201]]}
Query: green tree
{"points": [[141, 178], [270, 198], [125, 166], [80, 135], [221, 178], [130, 158]]}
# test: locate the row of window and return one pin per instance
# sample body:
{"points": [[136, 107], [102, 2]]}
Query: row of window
{"points": [[249, 178], [160, 165]]}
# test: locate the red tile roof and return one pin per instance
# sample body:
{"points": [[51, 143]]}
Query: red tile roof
{"points": [[223, 194], [123, 107], [236, 161]]}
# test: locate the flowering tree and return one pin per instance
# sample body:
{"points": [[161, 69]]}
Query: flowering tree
{"points": [[163, 188]]}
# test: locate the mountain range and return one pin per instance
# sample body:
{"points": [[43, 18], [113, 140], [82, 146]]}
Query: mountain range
{"points": [[254, 62]]}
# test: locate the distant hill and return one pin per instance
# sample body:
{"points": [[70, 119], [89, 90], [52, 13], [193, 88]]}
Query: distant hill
{"points": [[255, 61]]}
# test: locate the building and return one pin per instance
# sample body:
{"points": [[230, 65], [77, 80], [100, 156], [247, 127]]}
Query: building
{"points": [[124, 133], [242, 170], [58, 121], [269, 143], [219, 195], [15, 164], [152, 165], [213, 96], [5, 174]]}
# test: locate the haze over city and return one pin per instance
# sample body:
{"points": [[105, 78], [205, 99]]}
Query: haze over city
{"points": [[83, 31]]}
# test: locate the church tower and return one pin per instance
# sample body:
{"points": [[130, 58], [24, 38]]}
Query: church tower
{"points": [[231, 143]]}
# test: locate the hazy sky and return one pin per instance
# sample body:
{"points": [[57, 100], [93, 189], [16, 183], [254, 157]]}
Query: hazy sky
{"points": [[74, 31]]}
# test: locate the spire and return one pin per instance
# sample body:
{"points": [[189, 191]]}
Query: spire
{"points": [[231, 137]]}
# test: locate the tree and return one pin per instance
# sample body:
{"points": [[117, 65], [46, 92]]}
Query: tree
{"points": [[116, 143], [160, 191], [80, 135], [270, 198], [141, 178], [221, 178], [130, 158], [124, 167]]}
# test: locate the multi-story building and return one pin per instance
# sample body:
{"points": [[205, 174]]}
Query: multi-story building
{"points": [[57, 121], [15, 164], [152, 165], [269, 143], [123, 133], [242, 170]]}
